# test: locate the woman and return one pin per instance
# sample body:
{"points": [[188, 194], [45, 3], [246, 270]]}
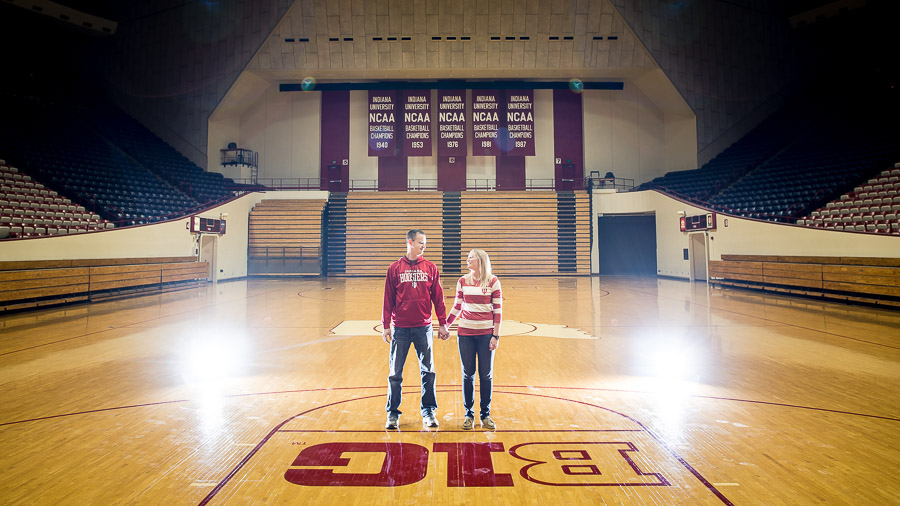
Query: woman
{"points": [[477, 305]]}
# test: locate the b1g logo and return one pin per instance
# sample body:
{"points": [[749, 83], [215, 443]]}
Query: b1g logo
{"points": [[607, 463]]}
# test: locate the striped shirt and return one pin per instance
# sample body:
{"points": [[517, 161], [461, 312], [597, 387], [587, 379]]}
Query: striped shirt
{"points": [[478, 308]]}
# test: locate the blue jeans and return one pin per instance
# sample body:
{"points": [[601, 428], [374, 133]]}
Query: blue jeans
{"points": [[423, 340], [470, 348]]}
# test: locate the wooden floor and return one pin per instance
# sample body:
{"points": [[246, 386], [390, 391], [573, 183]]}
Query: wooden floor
{"points": [[607, 390]]}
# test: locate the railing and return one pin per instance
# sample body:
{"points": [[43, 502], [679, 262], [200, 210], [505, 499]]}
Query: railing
{"points": [[286, 252], [540, 184], [422, 184], [481, 184], [283, 183], [430, 184], [613, 183], [239, 156], [363, 185], [275, 260]]}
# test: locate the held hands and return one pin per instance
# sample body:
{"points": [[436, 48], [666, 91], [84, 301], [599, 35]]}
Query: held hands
{"points": [[443, 334]]}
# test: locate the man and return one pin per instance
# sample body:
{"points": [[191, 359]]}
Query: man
{"points": [[411, 286]]}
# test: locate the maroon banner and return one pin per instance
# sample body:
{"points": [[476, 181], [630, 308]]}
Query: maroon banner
{"points": [[451, 111], [519, 129], [417, 122], [383, 123], [486, 115]]}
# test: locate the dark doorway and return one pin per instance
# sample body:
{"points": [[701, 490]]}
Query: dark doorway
{"points": [[568, 181], [335, 179], [627, 245]]}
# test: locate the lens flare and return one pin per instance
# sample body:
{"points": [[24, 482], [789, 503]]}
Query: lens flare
{"points": [[308, 84], [576, 85], [503, 141]]}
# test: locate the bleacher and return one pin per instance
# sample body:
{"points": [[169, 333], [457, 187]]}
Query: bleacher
{"points": [[377, 223], [810, 152], [523, 232], [870, 280], [735, 161], [285, 237], [63, 147], [817, 167], [870, 207], [160, 158], [35, 283], [29, 209]]}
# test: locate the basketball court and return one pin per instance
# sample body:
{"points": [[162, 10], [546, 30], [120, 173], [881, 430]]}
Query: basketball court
{"points": [[606, 390]]}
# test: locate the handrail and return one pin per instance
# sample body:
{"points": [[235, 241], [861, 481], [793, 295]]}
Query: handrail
{"points": [[481, 184], [425, 184], [616, 183], [284, 252], [283, 183], [422, 184], [363, 185]]}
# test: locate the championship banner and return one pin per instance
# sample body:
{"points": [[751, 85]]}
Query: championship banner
{"points": [[451, 110], [519, 123], [417, 122], [486, 122], [382, 123]]}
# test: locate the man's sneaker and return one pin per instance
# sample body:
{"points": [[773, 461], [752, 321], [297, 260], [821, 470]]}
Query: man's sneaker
{"points": [[392, 422], [487, 423], [429, 421], [468, 423]]}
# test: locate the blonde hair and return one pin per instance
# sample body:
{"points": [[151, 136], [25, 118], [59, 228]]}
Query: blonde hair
{"points": [[484, 269]]}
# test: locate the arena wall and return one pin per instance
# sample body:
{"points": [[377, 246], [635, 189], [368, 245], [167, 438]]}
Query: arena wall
{"points": [[736, 236], [624, 132], [169, 239]]}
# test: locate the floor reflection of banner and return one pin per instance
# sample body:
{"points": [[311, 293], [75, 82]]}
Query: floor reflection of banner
{"points": [[451, 111], [382, 123], [416, 122], [486, 122]]}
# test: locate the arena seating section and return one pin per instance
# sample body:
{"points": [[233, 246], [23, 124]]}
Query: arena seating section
{"points": [[808, 155], [285, 236], [28, 209], [871, 207], [526, 233], [377, 223], [34, 283], [870, 280], [97, 160]]}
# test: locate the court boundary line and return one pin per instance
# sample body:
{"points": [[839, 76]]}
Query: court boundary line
{"points": [[280, 392]]}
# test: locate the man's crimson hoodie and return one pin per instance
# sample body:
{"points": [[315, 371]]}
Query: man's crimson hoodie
{"points": [[410, 288]]}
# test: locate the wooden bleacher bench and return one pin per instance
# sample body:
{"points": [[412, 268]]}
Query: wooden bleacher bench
{"points": [[861, 279], [41, 282], [285, 231], [377, 224], [520, 231]]}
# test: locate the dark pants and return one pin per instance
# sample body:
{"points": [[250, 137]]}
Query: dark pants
{"points": [[470, 348], [423, 340]]}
